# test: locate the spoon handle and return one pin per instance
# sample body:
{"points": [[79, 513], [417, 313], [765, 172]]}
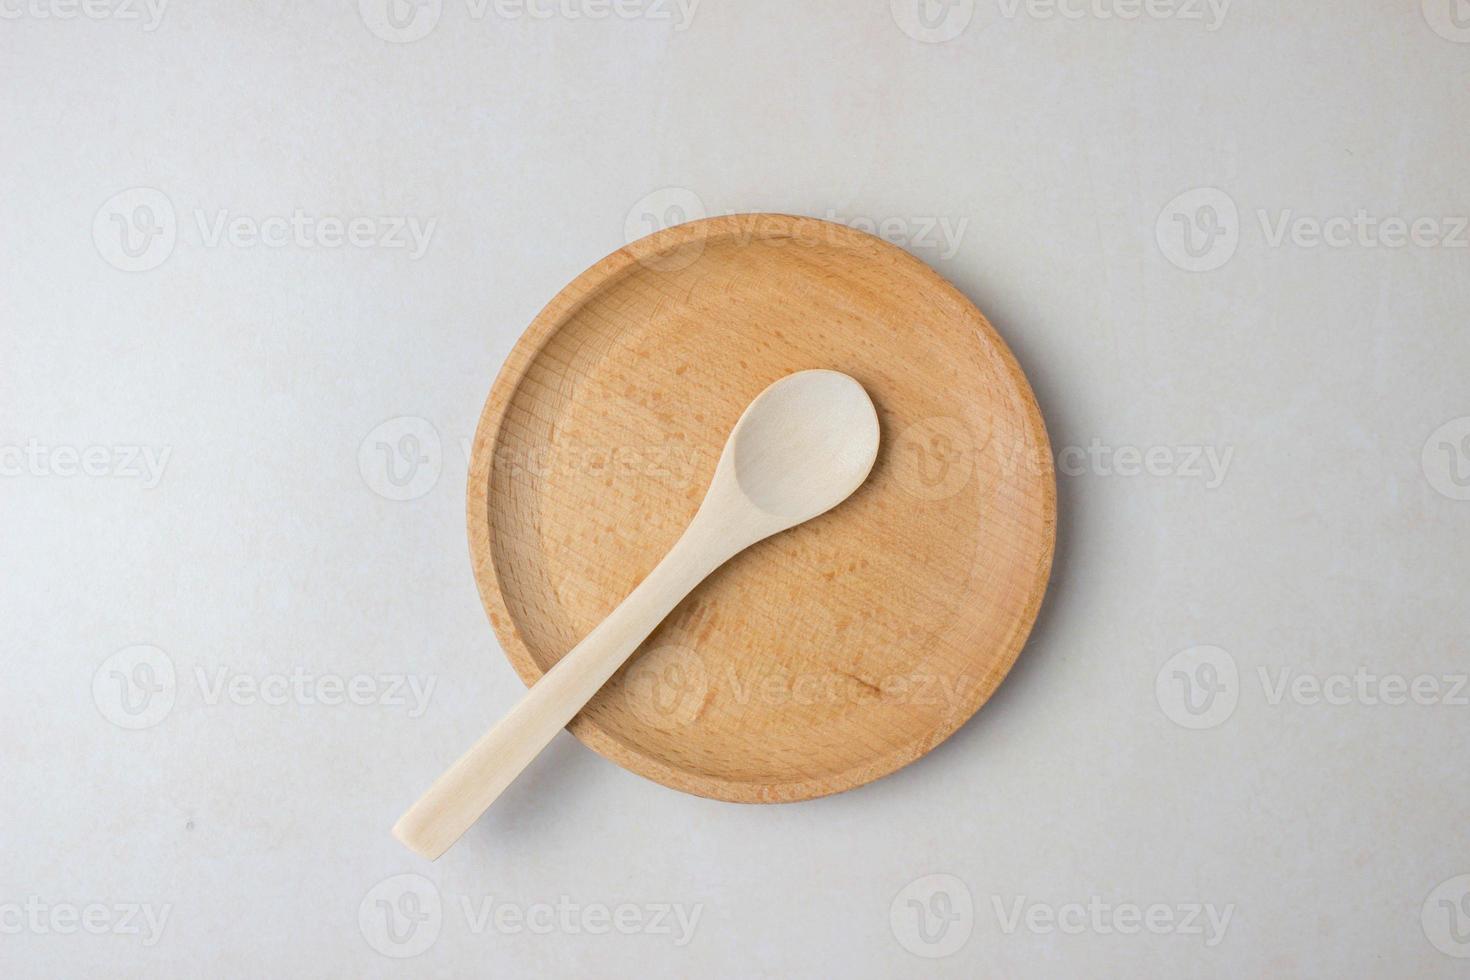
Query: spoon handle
{"points": [[458, 797]]}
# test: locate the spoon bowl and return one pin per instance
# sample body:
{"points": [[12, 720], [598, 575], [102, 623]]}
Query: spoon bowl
{"points": [[804, 445]]}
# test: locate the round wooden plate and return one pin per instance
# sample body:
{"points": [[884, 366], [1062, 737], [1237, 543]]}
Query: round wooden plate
{"points": [[830, 654]]}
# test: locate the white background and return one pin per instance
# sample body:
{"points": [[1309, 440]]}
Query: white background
{"points": [[1058, 147]]}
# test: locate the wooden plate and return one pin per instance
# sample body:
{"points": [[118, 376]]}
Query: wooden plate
{"points": [[826, 656]]}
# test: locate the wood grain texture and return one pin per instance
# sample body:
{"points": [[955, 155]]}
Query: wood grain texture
{"points": [[833, 653]]}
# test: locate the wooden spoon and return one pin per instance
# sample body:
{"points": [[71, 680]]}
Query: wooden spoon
{"points": [[800, 449]]}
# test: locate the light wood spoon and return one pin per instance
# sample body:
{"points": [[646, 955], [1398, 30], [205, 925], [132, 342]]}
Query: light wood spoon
{"points": [[800, 449]]}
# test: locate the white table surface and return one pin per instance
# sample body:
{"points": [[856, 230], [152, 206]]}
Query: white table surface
{"points": [[201, 553]]}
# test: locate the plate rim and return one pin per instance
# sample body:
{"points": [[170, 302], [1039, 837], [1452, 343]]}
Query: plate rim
{"points": [[753, 226]]}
